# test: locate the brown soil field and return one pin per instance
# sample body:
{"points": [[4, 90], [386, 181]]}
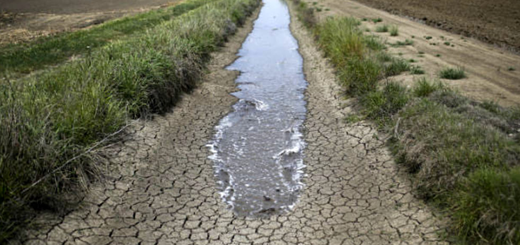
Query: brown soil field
{"points": [[23, 20], [496, 22], [493, 73]]}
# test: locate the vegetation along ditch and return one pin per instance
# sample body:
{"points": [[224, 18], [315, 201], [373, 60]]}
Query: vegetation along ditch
{"points": [[19, 59], [51, 118], [462, 155]]}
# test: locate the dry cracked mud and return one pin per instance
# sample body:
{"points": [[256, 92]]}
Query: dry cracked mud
{"points": [[161, 189]]}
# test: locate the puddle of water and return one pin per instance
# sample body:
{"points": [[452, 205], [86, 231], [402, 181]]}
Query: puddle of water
{"points": [[257, 150]]}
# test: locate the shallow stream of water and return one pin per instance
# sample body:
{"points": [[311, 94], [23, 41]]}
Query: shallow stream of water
{"points": [[257, 149]]}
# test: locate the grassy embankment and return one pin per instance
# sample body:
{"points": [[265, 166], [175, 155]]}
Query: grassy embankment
{"points": [[16, 59], [50, 118], [462, 155]]}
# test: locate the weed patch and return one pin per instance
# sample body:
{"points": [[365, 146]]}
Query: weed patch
{"points": [[416, 70], [394, 31], [406, 42], [383, 28], [452, 73]]}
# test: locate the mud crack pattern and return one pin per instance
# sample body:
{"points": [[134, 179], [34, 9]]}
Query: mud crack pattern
{"points": [[162, 190]]}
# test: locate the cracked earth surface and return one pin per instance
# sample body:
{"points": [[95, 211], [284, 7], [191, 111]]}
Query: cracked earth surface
{"points": [[161, 189]]}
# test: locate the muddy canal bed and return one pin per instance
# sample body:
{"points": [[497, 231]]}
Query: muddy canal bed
{"points": [[257, 149]]}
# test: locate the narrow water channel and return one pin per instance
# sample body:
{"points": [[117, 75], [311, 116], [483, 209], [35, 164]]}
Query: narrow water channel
{"points": [[257, 150]]}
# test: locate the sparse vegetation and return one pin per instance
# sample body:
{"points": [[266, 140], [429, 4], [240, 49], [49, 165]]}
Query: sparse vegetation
{"points": [[394, 31], [382, 28], [424, 88], [458, 152], [376, 20], [453, 73], [60, 113], [400, 43], [396, 67], [511, 68], [416, 70]]}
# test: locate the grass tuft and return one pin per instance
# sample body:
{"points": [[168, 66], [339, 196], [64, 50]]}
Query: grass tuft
{"points": [[452, 73], [424, 88], [394, 31], [416, 70], [383, 28], [489, 198], [376, 20], [396, 67], [382, 104], [406, 42]]}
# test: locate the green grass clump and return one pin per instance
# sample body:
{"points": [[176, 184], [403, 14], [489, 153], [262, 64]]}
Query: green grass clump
{"points": [[394, 31], [344, 40], [416, 70], [374, 43], [376, 20], [489, 198], [424, 88], [384, 57], [383, 28], [47, 51], [452, 73], [396, 67], [58, 114], [382, 104], [406, 42]]}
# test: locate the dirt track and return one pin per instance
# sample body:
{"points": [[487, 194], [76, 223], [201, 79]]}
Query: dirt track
{"points": [[496, 21], [162, 189]]}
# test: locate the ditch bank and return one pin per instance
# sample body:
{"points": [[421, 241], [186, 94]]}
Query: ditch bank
{"points": [[161, 187]]}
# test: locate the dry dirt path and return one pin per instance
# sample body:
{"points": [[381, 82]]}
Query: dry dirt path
{"points": [[487, 67], [161, 188]]}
